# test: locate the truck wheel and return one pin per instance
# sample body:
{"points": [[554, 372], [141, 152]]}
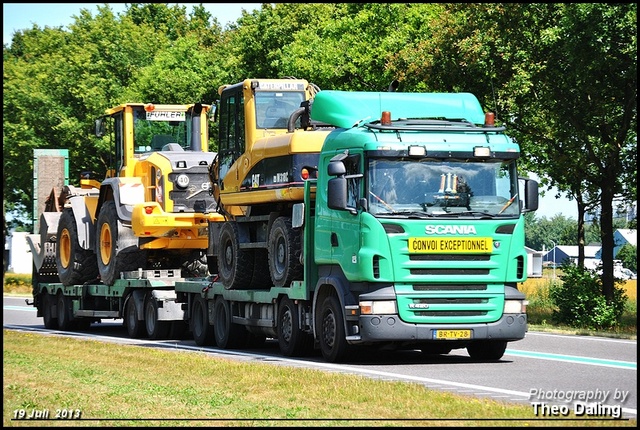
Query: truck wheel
{"points": [[117, 248], [330, 330], [75, 264], [155, 329], [199, 322], [135, 328], [235, 265], [292, 340], [64, 312], [227, 334], [48, 315], [284, 253], [487, 350]]}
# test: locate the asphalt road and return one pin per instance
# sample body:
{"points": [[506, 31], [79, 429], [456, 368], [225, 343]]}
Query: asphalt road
{"points": [[594, 376]]}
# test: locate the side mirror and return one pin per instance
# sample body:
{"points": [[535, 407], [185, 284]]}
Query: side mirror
{"points": [[336, 168], [337, 193], [530, 195]]}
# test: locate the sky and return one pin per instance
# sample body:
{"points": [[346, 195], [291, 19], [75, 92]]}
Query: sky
{"points": [[23, 16]]}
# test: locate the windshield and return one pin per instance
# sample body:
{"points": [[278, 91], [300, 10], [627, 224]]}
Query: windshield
{"points": [[153, 130], [273, 108], [400, 186]]}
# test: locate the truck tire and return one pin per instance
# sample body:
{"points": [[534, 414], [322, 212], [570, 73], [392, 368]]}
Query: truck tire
{"points": [[284, 253], [292, 340], [49, 317], [199, 323], [75, 264], [487, 350], [135, 327], [65, 312], [116, 247], [330, 330], [235, 265], [156, 329], [227, 334]]}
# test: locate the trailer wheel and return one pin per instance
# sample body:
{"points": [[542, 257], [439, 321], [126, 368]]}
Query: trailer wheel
{"points": [[235, 265], [48, 315], [330, 330], [292, 340], [135, 328], [199, 322], [487, 350], [65, 312], [117, 247], [284, 253], [156, 329], [227, 334], [75, 264]]}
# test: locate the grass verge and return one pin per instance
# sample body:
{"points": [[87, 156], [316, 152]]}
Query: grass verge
{"points": [[122, 385]]}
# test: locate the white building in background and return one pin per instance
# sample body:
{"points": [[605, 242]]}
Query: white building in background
{"points": [[534, 262], [20, 260]]}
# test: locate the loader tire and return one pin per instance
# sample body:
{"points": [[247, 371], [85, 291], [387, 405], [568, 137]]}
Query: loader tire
{"points": [[284, 253], [75, 264], [235, 265], [116, 246]]}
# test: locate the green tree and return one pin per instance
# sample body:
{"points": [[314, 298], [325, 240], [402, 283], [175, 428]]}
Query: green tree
{"points": [[542, 233], [565, 78], [628, 254], [57, 82]]}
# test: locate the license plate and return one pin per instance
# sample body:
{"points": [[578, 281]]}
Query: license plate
{"points": [[451, 334], [450, 245]]}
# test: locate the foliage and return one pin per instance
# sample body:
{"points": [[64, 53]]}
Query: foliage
{"points": [[580, 302], [628, 254], [16, 283], [542, 233], [56, 83]]}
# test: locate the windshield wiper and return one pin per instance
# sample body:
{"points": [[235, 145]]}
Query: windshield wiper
{"points": [[414, 214], [482, 215]]}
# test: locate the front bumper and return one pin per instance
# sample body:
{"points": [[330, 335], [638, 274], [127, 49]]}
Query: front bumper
{"points": [[389, 328]]}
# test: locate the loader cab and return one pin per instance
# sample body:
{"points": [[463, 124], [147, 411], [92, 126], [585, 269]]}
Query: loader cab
{"points": [[138, 129], [254, 109]]}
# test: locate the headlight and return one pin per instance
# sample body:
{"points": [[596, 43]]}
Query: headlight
{"points": [[515, 306], [378, 307], [182, 181]]}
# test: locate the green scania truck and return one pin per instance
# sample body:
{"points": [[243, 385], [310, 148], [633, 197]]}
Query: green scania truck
{"points": [[411, 235]]}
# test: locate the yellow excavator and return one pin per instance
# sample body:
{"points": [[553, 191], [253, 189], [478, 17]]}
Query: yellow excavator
{"points": [[265, 152]]}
